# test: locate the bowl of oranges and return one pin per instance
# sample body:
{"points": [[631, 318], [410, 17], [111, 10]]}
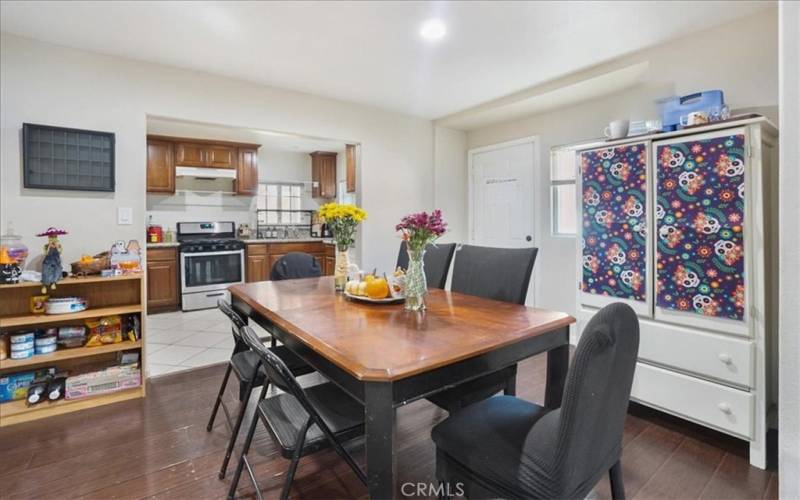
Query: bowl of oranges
{"points": [[376, 289]]}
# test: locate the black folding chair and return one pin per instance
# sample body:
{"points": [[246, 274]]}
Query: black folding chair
{"points": [[505, 447], [437, 262], [301, 421], [243, 364], [492, 273]]}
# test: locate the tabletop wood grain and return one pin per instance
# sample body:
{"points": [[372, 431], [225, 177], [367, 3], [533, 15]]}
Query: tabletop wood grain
{"points": [[385, 342]]}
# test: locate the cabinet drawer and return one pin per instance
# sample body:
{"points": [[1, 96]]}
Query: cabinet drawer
{"points": [[729, 410], [256, 249], [161, 254], [717, 356], [284, 248]]}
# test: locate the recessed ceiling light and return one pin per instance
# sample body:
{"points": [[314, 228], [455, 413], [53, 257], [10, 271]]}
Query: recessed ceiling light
{"points": [[433, 29]]}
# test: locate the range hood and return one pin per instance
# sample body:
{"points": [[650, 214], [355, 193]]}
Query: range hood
{"points": [[205, 172]]}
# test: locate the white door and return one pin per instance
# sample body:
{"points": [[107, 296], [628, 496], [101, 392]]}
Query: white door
{"points": [[502, 189]]}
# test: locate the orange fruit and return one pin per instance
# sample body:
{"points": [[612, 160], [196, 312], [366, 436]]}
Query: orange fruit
{"points": [[377, 289]]}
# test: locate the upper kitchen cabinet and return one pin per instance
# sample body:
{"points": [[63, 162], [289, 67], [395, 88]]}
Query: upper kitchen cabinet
{"points": [[323, 174], [160, 167], [219, 156], [350, 153], [246, 182], [190, 155]]}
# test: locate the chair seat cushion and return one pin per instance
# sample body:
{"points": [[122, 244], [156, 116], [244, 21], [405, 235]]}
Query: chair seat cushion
{"points": [[245, 362], [494, 440], [285, 416]]}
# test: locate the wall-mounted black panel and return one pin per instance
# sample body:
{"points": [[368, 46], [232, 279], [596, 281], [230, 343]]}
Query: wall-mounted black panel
{"points": [[67, 158]]}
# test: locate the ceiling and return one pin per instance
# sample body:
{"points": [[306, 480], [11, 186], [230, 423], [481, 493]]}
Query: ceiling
{"points": [[371, 52], [269, 141]]}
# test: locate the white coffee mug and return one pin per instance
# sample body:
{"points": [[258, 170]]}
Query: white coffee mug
{"points": [[694, 118], [617, 129]]}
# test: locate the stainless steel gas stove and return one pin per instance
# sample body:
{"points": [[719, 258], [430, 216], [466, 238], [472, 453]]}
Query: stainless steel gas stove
{"points": [[212, 259]]}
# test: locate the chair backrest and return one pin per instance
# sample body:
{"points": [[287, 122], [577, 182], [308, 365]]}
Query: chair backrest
{"points": [[295, 265], [237, 322], [596, 394], [277, 371], [494, 273], [437, 262]]}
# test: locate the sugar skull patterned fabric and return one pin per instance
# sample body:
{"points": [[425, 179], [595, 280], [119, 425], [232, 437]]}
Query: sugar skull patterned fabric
{"points": [[614, 247], [700, 226]]}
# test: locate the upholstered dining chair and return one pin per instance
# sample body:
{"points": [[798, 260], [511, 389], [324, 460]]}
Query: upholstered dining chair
{"points": [[505, 447], [492, 273], [300, 421], [295, 265], [242, 364], [437, 262]]}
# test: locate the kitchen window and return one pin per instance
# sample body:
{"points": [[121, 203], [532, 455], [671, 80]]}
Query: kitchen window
{"points": [[563, 203], [282, 203]]}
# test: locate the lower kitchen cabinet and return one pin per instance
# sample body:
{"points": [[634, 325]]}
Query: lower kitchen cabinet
{"points": [[163, 291], [329, 260], [260, 257]]}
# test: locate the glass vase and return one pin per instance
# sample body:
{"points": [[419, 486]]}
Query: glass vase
{"points": [[416, 283], [341, 267]]}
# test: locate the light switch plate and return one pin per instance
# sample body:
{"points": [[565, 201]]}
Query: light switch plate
{"points": [[124, 216]]}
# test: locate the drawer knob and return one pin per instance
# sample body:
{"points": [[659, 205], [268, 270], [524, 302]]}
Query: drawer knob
{"points": [[724, 408], [725, 358]]}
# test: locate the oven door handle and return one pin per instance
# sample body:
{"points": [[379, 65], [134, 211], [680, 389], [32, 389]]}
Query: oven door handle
{"points": [[203, 254]]}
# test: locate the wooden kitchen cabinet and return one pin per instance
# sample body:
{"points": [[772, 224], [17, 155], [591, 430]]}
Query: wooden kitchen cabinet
{"points": [[190, 154], [218, 156], [329, 262], [246, 182], [256, 263], [323, 174], [163, 291], [160, 167], [350, 154]]}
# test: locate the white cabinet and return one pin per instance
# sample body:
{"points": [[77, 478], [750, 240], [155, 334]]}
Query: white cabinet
{"points": [[691, 245]]}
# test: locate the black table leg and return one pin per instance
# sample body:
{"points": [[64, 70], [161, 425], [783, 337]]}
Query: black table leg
{"points": [[557, 365], [379, 413]]}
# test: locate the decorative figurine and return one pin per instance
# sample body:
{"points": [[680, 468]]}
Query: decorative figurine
{"points": [[51, 266], [9, 269]]}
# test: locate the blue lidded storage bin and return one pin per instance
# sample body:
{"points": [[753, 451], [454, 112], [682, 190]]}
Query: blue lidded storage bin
{"points": [[672, 108]]}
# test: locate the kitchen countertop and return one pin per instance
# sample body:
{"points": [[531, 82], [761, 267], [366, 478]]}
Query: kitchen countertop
{"points": [[288, 240], [326, 241]]}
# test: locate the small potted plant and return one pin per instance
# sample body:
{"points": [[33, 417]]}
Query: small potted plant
{"points": [[342, 220], [419, 230]]}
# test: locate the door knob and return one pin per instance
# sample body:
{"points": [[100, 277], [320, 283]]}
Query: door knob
{"points": [[724, 408], [528, 238]]}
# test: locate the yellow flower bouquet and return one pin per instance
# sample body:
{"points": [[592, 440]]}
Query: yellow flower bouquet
{"points": [[342, 220]]}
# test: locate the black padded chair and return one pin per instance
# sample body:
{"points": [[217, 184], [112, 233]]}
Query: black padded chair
{"points": [[243, 364], [492, 273], [504, 447], [301, 421], [437, 262], [295, 265]]}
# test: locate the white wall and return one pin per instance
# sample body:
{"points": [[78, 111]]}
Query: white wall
{"points": [[44, 83], [740, 58], [789, 341], [450, 181]]}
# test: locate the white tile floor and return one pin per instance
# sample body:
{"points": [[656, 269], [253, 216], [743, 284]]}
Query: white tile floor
{"points": [[178, 341]]}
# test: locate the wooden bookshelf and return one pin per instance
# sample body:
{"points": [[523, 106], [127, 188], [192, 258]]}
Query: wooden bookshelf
{"points": [[62, 354], [117, 295], [15, 412], [44, 319]]}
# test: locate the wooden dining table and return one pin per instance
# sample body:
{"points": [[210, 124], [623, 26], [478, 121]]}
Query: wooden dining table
{"points": [[386, 357]]}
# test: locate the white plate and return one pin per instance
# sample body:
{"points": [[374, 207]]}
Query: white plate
{"points": [[387, 300]]}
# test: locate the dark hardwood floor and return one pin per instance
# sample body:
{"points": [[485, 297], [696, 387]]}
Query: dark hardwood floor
{"points": [[158, 447]]}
